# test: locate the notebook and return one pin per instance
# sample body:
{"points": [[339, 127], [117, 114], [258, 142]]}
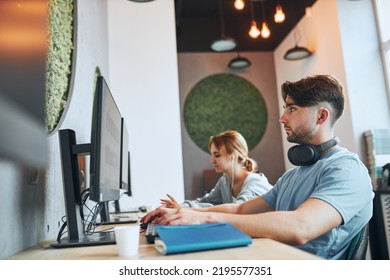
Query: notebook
{"points": [[190, 238]]}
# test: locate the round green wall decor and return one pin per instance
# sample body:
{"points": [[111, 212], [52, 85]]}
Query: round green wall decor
{"points": [[59, 59], [221, 102]]}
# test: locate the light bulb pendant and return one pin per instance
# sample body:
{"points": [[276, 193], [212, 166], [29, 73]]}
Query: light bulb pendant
{"points": [[254, 31], [239, 4], [265, 32], [279, 14]]}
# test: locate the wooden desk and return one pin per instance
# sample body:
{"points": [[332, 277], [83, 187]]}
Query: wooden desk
{"points": [[261, 248]]}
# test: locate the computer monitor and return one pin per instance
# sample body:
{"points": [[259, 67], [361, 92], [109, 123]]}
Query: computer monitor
{"points": [[105, 157], [125, 161], [125, 158], [105, 168], [23, 139], [129, 191], [125, 184], [125, 174]]}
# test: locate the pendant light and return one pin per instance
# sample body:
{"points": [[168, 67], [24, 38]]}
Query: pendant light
{"points": [[265, 32], [239, 4], [279, 16], [297, 52], [254, 31], [224, 43], [239, 62]]}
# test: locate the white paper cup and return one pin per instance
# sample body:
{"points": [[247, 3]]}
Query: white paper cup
{"points": [[127, 240]]}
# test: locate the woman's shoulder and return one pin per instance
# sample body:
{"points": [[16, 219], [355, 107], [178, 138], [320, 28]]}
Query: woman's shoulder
{"points": [[259, 180], [223, 180], [256, 176]]}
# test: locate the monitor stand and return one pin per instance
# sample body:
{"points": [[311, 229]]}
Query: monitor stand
{"points": [[70, 171], [94, 239]]}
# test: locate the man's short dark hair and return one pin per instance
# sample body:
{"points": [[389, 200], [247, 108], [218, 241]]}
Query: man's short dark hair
{"points": [[313, 90]]}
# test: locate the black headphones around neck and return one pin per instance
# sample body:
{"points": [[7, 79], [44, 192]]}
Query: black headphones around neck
{"points": [[307, 154]]}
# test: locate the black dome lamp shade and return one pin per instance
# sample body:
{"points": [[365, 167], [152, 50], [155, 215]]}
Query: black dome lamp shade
{"points": [[225, 43], [297, 53], [239, 62]]}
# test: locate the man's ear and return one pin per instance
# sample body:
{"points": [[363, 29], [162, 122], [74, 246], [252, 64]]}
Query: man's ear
{"points": [[322, 115]]}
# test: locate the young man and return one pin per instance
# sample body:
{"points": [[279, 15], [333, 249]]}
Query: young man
{"points": [[318, 206]]}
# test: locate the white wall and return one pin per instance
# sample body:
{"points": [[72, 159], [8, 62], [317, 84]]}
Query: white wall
{"points": [[364, 71], [144, 81], [339, 53]]}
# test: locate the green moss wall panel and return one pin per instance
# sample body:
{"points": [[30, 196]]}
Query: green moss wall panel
{"points": [[224, 101], [59, 60]]}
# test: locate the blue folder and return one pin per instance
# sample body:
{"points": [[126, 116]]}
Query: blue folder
{"points": [[190, 238]]}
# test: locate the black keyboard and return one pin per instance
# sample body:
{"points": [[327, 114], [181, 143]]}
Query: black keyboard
{"points": [[151, 233]]}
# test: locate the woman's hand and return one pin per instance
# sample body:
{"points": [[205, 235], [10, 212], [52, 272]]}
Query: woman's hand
{"points": [[170, 203]]}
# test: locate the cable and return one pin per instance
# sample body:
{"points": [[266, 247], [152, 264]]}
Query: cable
{"points": [[88, 221], [91, 224], [89, 218], [61, 230], [232, 182]]}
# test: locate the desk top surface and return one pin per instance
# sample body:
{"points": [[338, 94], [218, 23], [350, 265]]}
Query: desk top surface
{"points": [[261, 248]]}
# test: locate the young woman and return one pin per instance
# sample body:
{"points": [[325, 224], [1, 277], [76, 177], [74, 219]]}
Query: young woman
{"points": [[240, 180]]}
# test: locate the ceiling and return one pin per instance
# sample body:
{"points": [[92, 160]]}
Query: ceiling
{"points": [[198, 23]]}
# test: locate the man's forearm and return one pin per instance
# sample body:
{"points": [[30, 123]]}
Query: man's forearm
{"points": [[224, 208]]}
